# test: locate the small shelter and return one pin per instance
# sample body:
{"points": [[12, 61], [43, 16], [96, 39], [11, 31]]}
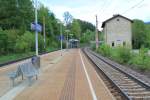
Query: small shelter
{"points": [[73, 43]]}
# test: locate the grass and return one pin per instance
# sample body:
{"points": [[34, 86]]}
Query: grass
{"points": [[124, 56], [12, 57]]}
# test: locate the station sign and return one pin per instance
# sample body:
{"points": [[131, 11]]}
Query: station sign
{"points": [[36, 27], [61, 37]]}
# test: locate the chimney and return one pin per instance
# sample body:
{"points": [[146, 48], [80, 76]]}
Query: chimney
{"points": [[115, 15]]}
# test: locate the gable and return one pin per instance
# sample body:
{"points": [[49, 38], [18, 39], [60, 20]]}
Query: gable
{"points": [[114, 17]]}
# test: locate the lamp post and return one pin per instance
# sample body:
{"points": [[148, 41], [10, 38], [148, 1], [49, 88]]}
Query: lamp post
{"points": [[36, 32], [71, 35], [61, 36], [67, 31]]}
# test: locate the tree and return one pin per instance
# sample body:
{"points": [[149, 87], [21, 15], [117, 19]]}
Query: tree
{"points": [[139, 33], [16, 14], [87, 36], [67, 18], [3, 42], [75, 29], [147, 41], [85, 26]]}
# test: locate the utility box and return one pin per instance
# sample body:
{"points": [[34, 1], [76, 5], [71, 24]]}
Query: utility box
{"points": [[36, 61]]}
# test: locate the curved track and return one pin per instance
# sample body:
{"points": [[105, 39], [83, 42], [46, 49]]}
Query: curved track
{"points": [[130, 87]]}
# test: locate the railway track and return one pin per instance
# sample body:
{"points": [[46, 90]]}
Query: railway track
{"points": [[129, 87]]}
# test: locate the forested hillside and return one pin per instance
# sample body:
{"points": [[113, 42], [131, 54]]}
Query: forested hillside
{"points": [[16, 36]]}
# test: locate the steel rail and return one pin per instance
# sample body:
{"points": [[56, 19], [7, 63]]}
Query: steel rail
{"points": [[135, 79]]}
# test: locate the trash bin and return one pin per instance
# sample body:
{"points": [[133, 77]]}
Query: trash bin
{"points": [[36, 61]]}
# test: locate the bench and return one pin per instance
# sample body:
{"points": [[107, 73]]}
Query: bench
{"points": [[15, 74], [29, 71], [26, 69]]}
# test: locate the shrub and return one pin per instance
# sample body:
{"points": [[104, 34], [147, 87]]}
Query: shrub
{"points": [[25, 43], [93, 46], [104, 49], [141, 60], [121, 54]]}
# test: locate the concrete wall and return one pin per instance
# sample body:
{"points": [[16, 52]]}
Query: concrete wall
{"points": [[118, 32]]}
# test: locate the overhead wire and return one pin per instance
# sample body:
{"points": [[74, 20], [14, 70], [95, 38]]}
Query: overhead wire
{"points": [[133, 7]]}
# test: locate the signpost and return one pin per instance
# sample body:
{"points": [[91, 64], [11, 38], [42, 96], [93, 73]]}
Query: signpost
{"points": [[35, 27]]}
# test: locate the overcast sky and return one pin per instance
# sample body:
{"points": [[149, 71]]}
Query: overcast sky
{"points": [[87, 9]]}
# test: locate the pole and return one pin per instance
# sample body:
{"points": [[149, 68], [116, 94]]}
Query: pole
{"points": [[67, 40], [96, 35], [36, 32], [44, 32], [61, 37]]}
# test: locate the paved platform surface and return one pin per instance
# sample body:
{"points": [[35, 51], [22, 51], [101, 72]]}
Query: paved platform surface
{"points": [[67, 77]]}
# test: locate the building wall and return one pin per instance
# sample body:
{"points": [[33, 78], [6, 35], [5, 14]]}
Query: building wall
{"points": [[118, 32]]}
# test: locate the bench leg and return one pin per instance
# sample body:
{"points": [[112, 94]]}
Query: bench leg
{"points": [[13, 81], [22, 76], [30, 80], [36, 77]]}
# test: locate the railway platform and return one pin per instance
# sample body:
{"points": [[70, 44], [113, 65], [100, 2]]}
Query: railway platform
{"points": [[67, 77]]}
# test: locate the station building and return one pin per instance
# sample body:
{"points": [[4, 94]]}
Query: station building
{"points": [[118, 31]]}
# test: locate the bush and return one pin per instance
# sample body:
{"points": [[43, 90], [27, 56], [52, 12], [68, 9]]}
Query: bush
{"points": [[3, 42], [8, 40], [104, 49], [141, 60], [121, 54], [25, 43], [124, 55], [93, 46]]}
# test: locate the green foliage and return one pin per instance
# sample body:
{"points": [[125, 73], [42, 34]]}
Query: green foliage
{"points": [[3, 42], [75, 29], [147, 40], [25, 43], [7, 40], [87, 37], [124, 55], [141, 60], [51, 25], [12, 57], [93, 46], [104, 49], [16, 13], [85, 26], [139, 33], [121, 54]]}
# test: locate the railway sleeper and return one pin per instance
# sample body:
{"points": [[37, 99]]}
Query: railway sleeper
{"points": [[140, 97], [134, 90], [146, 93], [128, 86]]}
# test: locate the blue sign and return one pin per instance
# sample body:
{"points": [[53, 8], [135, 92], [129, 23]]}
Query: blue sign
{"points": [[61, 37], [36, 27]]}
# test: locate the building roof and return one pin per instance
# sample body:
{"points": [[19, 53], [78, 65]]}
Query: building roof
{"points": [[103, 24], [73, 40]]}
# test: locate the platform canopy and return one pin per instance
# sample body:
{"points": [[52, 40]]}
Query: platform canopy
{"points": [[73, 43]]}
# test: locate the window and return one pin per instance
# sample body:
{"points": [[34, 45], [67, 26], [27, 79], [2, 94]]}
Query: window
{"points": [[124, 43], [117, 19], [113, 44]]}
